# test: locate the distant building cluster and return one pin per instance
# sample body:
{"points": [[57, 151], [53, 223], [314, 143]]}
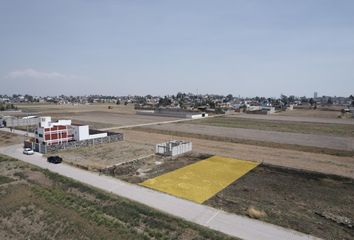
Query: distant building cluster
{"points": [[210, 103]]}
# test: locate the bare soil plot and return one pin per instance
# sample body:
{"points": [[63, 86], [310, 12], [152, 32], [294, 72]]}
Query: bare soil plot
{"points": [[146, 168], [105, 155], [41, 205], [73, 108], [312, 113], [7, 139], [297, 139], [329, 129], [118, 119], [343, 166], [280, 117], [309, 202]]}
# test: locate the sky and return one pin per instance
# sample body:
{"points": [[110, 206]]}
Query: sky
{"points": [[159, 47]]}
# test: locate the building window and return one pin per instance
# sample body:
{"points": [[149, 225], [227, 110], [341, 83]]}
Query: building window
{"points": [[40, 135]]}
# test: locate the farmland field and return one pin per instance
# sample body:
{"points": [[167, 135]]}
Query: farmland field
{"points": [[200, 181], [96, 115], [38, 204], [339, 144], [329, 129], [309, 202], [339, 165]]}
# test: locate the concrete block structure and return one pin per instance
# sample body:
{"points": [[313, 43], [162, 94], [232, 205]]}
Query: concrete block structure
{"points": [[173, 148]]}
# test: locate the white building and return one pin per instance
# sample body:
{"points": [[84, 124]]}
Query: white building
{"points": [[61, 131]]}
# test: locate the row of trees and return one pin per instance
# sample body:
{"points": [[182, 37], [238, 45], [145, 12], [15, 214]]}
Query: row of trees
{"points": [[6, 106]]}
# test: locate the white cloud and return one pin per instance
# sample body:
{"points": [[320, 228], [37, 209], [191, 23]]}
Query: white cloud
{"points": [[40, 75]]}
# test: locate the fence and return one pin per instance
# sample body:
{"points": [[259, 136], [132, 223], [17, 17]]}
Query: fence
{"points": [[20, 122], [112, 137]]}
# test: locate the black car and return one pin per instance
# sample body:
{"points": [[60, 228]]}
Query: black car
{"points": [[54, 159]]}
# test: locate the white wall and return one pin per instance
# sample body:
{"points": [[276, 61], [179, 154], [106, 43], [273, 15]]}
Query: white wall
{"points": [[98, 135], [196, 116], [80, 132]]}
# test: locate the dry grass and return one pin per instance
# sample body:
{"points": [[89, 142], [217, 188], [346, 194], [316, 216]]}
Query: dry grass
{"points": [[7, 139], [66, 209], [318, 113], [343, 130], [105, 155], [305, 201]]}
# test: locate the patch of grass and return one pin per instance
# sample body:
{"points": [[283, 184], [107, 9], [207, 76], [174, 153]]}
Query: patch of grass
{"points": [[71, 210], [4, 179], [4, 158], [344, 130], [121, 214]]}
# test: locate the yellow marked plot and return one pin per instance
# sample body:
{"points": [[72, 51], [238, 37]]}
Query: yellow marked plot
{"points": [[200, 181]]}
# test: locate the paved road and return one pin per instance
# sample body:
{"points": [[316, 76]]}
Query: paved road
{"points": [[231, 224], [276, 117], [331, 142]]}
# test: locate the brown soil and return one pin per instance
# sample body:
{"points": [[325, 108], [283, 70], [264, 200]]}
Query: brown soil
{"points": [[309, 202], [255, 135], [7, 139], [105, 155], [318, 113], [324, 163], [139, 171]]}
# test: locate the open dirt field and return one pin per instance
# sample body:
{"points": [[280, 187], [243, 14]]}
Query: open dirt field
{"points": [[329, 164], [309, 140], [292, 118], [147, 168], [98, 116], [117, 119], [202, 180], [308, 202], [7, 139], [38, 204], [333, 114], [105, 155], [70, 108], [231, 121]]}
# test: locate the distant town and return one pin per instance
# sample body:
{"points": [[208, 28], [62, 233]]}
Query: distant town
{"points": [[186, 101]]}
